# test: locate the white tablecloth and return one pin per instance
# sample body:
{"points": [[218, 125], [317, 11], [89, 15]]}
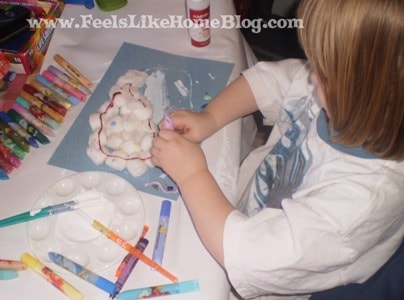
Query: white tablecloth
{"points": [[92, 50]]}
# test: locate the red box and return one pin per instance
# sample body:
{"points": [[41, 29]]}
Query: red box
{"points": [[26, 52]]}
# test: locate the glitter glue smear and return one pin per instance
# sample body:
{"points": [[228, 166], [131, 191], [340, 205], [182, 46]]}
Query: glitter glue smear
{"points": [[198, 11]]}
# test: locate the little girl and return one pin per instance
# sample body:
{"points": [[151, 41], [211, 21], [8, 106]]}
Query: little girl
{"points": [[321, 204]]}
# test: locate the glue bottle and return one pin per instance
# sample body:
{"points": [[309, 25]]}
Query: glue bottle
{"points": [[198, 11]]}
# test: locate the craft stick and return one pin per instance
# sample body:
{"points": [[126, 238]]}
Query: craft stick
{"points": [[76, 74]]}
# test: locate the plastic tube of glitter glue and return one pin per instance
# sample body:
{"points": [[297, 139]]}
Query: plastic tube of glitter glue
{"points": [[82, 272], [64, 85], [63, 76], [57, 281], [161, 290], [129, 266], [50, 85], [162, 229]]}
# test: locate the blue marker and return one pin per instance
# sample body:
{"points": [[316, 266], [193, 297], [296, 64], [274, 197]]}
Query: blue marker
{"points": [[82, 272], [158, 252]]}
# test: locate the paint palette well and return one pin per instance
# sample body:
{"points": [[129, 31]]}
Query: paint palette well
{"points": [[103, 196]]}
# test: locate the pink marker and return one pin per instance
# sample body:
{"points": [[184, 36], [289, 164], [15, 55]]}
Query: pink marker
{"points": [[168, 123], [64, 85]]}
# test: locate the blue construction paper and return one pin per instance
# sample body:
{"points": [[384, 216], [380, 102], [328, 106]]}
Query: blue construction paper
{"points": [[203, 79]]}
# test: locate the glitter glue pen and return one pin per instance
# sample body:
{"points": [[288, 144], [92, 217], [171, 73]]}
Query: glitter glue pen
{"points": [[127, 246], [161, 290], [129, 266], [63, 76], [57, 281], [82, 272], [76, 74], [162, 229]]}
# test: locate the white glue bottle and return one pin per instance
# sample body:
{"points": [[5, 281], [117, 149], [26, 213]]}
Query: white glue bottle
{"points": [[198, 12]]}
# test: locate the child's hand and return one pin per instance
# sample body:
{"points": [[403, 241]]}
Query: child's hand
{"points": [[194, 126], [179, 157]]}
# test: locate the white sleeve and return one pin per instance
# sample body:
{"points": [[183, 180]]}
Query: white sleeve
{"points": [[339, 233], [270, 83]]}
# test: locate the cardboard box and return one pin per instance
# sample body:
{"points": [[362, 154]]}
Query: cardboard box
{"points": [[26, 51]]}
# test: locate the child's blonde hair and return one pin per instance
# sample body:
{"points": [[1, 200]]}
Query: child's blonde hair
{"points": [[356, 48]]}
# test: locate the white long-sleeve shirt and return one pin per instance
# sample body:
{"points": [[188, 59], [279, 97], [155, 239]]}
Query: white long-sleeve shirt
{"points": [[314, 214]]}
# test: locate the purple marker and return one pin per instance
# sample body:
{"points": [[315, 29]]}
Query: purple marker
{"points": [[130, 264]]}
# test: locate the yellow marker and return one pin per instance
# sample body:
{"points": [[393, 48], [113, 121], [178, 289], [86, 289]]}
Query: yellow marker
{"points": [[57, 281], [76, 74]]}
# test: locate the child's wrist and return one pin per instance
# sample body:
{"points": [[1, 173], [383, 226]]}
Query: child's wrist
{"points": [[193, 179]]}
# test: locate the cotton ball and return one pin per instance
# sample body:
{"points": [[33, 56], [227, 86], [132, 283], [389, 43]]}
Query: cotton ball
{"points": [[143, 113], [129, 124], [135, 104], [96, 156], [125, 110], [137, 78], [136, 167], [102, 137], [113, 90], [134, 92], [131, 147], [116, 161], [146, 142], [148, 126], [149, 163], [94, 121], [145, 154], [97, 138], [114, 125], [114, 141], [130, 92], [93, 139], [103, 107], [120, 100]]}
